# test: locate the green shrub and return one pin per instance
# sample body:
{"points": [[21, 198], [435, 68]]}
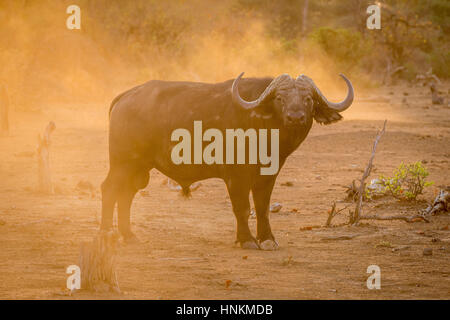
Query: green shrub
{"points": [[407, 182], [440, 13], [440, 62], [345, 46]]}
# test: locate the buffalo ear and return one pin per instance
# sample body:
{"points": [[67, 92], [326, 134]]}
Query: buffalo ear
{"points": [[325, 115]]}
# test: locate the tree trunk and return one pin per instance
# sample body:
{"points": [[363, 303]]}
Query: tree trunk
{"points": [[359, 17], [305, 18], [43, 153], [4, 111], [98, 263]]}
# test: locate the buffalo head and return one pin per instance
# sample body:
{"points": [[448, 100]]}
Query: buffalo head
{"points": [[296, 101]]}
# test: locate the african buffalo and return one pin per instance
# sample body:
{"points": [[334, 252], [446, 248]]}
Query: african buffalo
{"points": [[143, 118]]}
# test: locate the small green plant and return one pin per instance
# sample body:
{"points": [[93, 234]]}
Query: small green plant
{"points": [[383, 244], [408, 181]]}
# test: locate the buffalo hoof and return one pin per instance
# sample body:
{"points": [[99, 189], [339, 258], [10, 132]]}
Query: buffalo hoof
{"points": [[269, 245], [130, 238], [249, 245]]}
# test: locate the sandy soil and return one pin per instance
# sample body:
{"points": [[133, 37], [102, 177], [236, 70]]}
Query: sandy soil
{"points": [[186, 249]]}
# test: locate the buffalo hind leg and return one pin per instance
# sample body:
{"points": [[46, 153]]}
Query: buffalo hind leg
{"points": [[124, 206], [121, 185], [134, 180], [239, 196], [262, 191]]}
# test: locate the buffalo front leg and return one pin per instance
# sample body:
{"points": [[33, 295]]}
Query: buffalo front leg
{"points": [[239, 196], [262, 192]]}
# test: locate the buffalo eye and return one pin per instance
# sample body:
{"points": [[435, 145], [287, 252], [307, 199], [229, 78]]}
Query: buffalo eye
{"points": [[308, 102]]}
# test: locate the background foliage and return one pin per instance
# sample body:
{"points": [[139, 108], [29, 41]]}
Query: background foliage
{"points": [[123, 43]]}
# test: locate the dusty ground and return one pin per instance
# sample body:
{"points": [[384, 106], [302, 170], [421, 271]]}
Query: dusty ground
{"points": [[186, 249]]}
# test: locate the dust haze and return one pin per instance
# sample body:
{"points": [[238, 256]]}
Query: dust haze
{"points": [[186, 251]]}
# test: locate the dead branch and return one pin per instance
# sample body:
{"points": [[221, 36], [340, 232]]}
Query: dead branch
{"points": [[354, 218], [43, 152], [98, 263], [390, 74], [429, 76], [396, 70], [333, 212]]}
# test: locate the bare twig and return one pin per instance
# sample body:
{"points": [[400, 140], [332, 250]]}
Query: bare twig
{"points": [[354, 218], [333, 213], [428, 76]]}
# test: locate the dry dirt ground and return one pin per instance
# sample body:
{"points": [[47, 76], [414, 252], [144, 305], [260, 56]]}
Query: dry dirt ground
{"points": [[186, 248]]}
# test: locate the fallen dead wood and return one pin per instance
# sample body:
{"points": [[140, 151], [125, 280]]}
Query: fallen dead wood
{"points": [[98, 263], [43, 152], [341, 237], [414, 218], [440, 204], [400, 248]]}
